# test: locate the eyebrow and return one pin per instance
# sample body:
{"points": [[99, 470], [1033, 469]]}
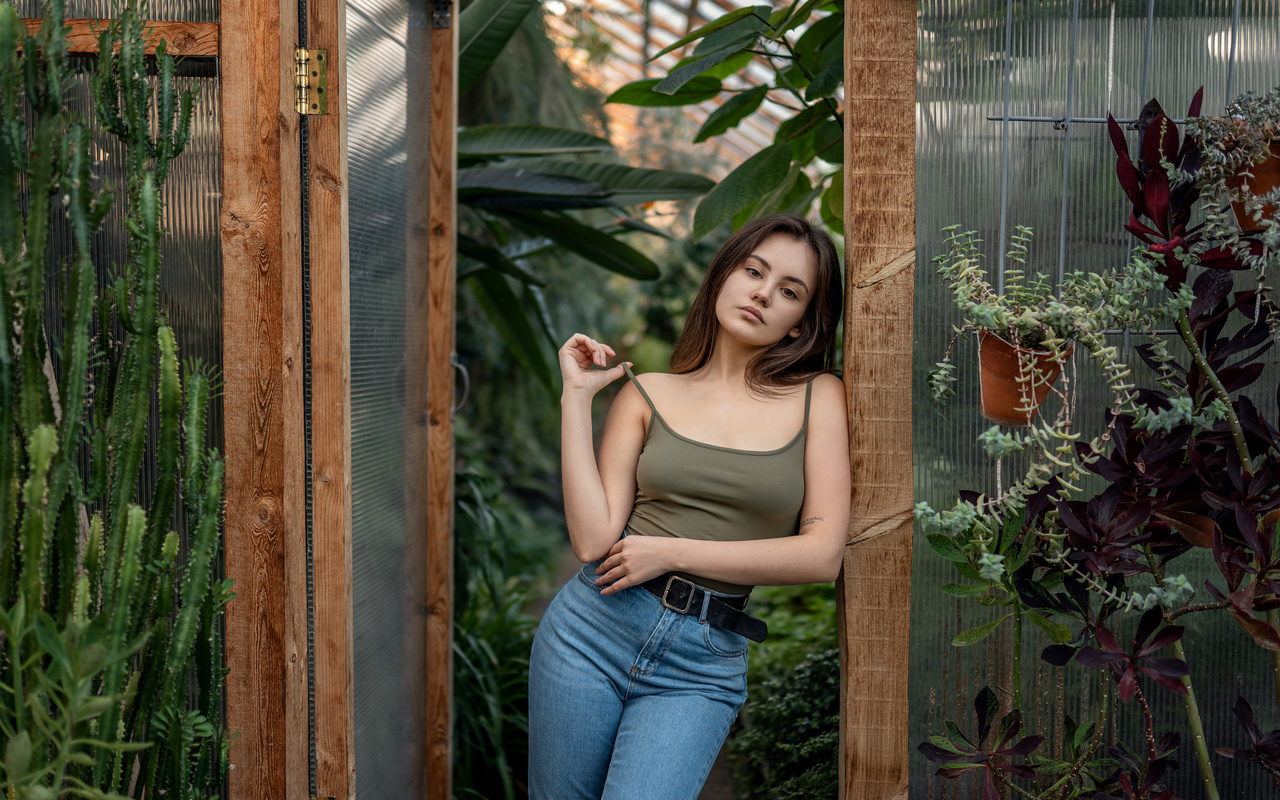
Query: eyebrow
{"points": [[769, 267]]}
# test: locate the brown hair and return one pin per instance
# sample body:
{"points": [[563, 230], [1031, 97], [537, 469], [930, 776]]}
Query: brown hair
{"points": [[792, 360]]}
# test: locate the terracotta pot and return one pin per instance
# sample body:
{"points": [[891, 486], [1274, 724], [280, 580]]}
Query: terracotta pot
{"points": [[1004, 398], [1266, 176]]}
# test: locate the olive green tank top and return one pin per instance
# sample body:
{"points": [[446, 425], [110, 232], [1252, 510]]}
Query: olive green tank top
{"points": [[691, 490]]}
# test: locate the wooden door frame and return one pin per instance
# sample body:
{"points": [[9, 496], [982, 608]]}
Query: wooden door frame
{"points": [[265, 441], [874, 588]]}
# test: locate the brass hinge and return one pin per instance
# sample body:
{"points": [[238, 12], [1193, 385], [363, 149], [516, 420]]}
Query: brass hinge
{"points": [[310, 79]]}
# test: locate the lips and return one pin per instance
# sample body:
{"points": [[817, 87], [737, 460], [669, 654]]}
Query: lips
{"points": [[752, 312]]}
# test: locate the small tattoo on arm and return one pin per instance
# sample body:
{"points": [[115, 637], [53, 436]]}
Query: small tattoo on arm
{"points": [[810, 521]]}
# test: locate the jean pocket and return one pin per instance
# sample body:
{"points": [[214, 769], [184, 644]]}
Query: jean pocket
{"points": [[726, 644]]}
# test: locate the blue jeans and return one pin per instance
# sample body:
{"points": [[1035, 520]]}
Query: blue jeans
{"points": [[628, 700]]}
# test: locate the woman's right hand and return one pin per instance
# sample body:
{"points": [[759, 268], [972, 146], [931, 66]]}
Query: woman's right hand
{"points": [[576, 357]]}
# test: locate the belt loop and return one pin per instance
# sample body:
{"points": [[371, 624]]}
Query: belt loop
{"points": [[706, 602]]}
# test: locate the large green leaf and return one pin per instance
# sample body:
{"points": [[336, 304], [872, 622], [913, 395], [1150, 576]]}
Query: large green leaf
{"points": [[828, 142], [679, 77], [943, 546], [825, 83], [641, 93], [509, 316], [732, 37], [496, 259], [493, 141], [713, 26], [963, 589], [593, 245], [819, 34], [734, 110], [833, 201], [626, 186], [754, 178], [975, 635], [733, 66], [1058, 632], [499, 188], [792, 17], [484, 28], [805, 121]]}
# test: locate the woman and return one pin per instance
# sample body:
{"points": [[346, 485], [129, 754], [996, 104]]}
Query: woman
{"points": [[731, 471]]}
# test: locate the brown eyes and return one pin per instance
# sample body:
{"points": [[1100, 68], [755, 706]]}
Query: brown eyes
{"points": [[786, 291]]}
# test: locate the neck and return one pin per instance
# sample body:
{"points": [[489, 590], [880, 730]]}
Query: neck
{"points": [[729, 359]]}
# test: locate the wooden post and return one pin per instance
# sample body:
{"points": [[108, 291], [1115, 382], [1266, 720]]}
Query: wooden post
{"points": [[262, 402], [441, 241], [417, 341], [330, 261], [875, 586]]}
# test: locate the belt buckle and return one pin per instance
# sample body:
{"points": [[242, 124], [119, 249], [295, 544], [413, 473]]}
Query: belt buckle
{"points": [[688, 602]]}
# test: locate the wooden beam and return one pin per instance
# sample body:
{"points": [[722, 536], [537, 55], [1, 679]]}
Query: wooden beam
{"points": [[441, 243], [331, 413], [262, 367], [182, 38], [875, 585], [416, 341]]}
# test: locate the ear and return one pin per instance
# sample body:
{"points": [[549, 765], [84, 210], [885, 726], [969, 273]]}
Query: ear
{"points": [[795, 333]]}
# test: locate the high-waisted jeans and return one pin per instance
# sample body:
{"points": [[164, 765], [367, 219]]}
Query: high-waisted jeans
{"points": [[628, 700]]}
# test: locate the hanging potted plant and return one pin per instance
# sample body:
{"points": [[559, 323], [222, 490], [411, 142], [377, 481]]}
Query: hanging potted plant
{"points": [[1023, 333], [1241, 152]]}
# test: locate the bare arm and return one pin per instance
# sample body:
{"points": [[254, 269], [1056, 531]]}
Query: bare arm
{"points": [[812, 556], [597, 495]]}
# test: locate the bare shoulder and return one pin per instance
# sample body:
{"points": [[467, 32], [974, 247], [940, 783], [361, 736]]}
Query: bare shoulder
{"points": [[828, 387], [629, 405], [659, 384], [829, 401]]}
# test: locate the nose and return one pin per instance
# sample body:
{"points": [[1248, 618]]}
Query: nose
{"points": [[761, 296]]}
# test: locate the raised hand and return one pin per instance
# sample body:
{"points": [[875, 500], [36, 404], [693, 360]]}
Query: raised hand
{"points": [[576, 358]]}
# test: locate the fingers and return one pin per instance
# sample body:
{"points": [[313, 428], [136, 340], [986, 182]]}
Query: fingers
{"points": [[619, 585], [586, 350]]}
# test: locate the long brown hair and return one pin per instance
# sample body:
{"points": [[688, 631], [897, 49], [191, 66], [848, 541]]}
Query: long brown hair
{"points": [[793, 360]]}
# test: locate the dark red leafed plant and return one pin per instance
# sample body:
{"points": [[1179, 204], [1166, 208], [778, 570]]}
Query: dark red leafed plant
{"points": [[1126, 664], [958, 755], [1263, 750], [1189, 462]]}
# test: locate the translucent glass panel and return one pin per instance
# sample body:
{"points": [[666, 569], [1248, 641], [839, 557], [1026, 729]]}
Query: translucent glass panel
{"points": [[979, 63], [177, 10], [385, 758], [191, 251]]}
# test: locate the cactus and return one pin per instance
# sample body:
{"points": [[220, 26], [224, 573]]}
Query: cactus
{"points": [[110, 658]]}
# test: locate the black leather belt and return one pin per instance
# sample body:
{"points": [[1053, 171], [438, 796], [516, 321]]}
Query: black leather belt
{"points": [[686, 597]]}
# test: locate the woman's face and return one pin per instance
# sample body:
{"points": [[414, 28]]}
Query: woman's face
{"points": [[764, 298]]}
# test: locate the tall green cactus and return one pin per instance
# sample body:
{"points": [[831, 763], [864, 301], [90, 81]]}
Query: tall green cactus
{"points": [[110, 658]]}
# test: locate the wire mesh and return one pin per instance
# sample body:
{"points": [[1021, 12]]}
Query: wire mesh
{"points": [[1059, 59]]}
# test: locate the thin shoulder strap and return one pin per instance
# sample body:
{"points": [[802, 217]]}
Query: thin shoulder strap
{"points": [[808, 393], [632, 376]]}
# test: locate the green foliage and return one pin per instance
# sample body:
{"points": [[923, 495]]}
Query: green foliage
{"points": [[805, 47], [106, 631], [484, 28], [516, 187], [789, 746], [786, 745], [500, 551]]}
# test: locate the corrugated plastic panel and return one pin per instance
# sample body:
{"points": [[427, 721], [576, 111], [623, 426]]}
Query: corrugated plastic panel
{"points": [[376, 32], [1055, 67]]}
